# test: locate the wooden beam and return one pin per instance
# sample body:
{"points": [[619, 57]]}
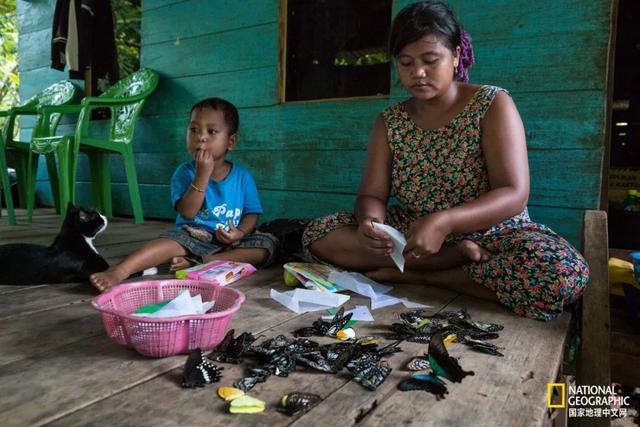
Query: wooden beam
{"points": [[593, 360], [611, 48], [621, 371]]}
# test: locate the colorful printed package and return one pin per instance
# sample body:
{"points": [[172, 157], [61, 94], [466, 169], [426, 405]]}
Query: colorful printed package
{"points": [[313, 275], [218, 272]]}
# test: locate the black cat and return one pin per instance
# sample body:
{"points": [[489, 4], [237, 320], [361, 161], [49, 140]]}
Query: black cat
{"points": [[71, 258]]}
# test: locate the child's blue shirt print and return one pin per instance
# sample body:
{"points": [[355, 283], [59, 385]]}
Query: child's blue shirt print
{"points": [[229, 199]]}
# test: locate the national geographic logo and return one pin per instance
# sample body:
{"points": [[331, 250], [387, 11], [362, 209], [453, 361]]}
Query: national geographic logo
{"points": [[588, 400], [560, 389]]}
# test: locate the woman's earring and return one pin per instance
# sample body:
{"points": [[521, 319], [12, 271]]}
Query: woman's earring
{"points": [[455, 70]]}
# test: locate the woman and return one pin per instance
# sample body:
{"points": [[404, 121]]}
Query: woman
{"points": [[454, 155]]}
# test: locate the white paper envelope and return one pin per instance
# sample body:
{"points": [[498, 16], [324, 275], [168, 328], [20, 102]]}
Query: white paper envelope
{"points": [[305, 300], [182, 305], [383, 301], [359, 283], [359, 312], [399, 242], [411, 304]]}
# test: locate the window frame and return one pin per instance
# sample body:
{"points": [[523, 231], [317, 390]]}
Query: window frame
{"points": [[282, 67]]}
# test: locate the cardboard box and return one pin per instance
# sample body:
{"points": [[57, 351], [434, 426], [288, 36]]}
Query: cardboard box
{"points": [[622, 180]]}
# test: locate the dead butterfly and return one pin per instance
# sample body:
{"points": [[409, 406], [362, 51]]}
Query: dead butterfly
{"points": [[199, 371]]}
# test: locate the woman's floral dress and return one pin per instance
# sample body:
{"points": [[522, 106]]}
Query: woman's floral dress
{"points": [[533, 271]]}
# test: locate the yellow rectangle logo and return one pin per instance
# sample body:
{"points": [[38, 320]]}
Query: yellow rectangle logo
{"points": [[550, 388]]}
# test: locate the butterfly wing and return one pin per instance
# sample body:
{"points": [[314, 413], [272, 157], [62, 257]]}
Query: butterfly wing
{"points": [[427, 383], [198, 371], [442, 363], [218, 354], [338, 322], [192, 377]]}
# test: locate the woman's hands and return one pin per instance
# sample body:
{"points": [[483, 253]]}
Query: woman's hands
{"points": [[426, 235], [374, 241], [228, 237]]}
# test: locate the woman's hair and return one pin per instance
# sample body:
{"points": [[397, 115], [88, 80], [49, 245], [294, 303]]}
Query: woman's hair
{"points": [[229, 111], [432, 17]]}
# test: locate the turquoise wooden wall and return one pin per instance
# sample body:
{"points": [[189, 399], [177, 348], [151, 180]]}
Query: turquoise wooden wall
{"points": [[307, 157]]}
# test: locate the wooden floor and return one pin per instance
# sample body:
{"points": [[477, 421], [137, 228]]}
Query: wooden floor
{"points": [[57, 367]]}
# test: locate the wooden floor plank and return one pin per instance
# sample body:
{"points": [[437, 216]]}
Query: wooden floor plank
{"points": [[505, 391], [58, 367], [27, 336], [40, 388], [115, 233], [44, 218], [34, 234], [51, 384], [202, 407], [108, 237], [7, 289], [41, 298]]}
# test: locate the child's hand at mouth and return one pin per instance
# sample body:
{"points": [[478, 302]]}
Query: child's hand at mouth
{"points": [[204, 161]]}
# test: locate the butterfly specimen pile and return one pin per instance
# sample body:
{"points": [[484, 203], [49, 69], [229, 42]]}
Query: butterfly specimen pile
{"points": [[456, 326], [363, 358]]}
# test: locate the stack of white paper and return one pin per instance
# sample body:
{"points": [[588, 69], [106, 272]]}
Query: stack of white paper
{"points": [[305, 300], [182, 305], [371, 289]]}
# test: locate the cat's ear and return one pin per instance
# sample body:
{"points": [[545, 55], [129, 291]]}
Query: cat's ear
{"points": [[71, 207]]}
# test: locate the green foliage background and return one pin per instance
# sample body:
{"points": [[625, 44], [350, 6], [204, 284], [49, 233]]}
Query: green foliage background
{"points": [[9, 79], [126, 18], [126, 14]]}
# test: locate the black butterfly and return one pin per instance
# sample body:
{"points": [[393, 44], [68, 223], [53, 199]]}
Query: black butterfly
{"points": [[481, 346], [298, 402], [231, 350], [429, 383], [321, 327], [257, 374], [198, 371], [442, 364], [327, 358]]}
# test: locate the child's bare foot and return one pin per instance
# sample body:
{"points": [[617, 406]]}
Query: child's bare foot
{"points": [[385, 275], [473, 251], [180, 263], [108, 278]]}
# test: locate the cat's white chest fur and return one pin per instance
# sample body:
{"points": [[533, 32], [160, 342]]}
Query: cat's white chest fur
{"points": [[89, 240]]}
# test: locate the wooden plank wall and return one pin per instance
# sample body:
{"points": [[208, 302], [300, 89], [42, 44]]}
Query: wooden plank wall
{"points": [[307, 157]]}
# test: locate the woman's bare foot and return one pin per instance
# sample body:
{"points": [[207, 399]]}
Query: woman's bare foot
{"points": [[180, 263], [386, 275], [473, 251], [108, 278]]}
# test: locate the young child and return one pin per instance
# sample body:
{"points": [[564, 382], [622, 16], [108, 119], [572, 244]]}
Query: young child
{"points": [[217, 203], [454, 155]]}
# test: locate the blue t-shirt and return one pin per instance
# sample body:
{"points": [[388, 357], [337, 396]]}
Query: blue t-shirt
{"points": [[232, 198]]}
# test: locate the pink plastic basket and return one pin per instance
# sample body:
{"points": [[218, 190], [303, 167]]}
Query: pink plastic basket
{"points": [[173, 335]]}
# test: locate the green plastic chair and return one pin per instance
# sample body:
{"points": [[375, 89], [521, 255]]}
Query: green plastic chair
{"points": [[125, 100], [59, 93]]}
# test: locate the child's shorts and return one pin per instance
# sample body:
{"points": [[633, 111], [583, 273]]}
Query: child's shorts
{"points": [[200, 249]]}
